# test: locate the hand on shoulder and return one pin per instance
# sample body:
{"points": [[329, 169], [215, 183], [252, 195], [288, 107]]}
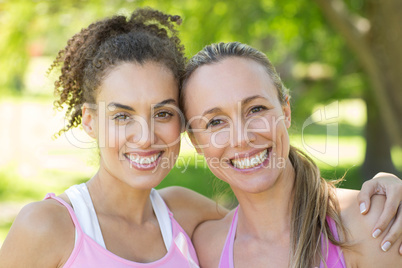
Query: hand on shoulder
{"points": [[42, 235], [364, 250]]}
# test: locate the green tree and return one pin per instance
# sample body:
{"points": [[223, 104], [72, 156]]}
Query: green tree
{"points": [[359, 56], [372, 31]]}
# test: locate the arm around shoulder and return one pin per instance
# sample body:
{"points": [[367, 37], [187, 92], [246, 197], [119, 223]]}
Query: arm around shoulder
{"points": [[42, 235], [365, 250]]}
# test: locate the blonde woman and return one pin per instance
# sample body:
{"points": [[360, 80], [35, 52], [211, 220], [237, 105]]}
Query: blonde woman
{"points": [[288, 216]]}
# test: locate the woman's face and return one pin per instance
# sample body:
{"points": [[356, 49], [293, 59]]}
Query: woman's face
{"points": [[238, 123], [137, 123]]}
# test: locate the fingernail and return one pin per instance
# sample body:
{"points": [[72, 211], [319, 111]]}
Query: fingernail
{"points": [[376, 233], [362, 207], [386, 246]]}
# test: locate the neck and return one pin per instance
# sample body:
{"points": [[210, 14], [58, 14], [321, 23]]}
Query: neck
{"points": [[113, 197], [267, 215]]}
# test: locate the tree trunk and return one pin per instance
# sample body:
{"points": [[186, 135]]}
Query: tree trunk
{"points": [[376, 41], [377, 47], [378, 144]]}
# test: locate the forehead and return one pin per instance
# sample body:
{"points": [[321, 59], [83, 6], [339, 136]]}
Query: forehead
{"points": [[138, 83], [227, 82]]}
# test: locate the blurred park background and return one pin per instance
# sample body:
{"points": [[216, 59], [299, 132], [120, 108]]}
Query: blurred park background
{"points": [[342, 60]]}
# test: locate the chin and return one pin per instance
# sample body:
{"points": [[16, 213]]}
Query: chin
{"points": [[143, 183], [256, 188], [257, 184]]}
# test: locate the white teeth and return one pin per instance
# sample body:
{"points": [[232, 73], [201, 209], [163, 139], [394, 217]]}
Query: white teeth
{"points": [[144, 160], [250, 162]]}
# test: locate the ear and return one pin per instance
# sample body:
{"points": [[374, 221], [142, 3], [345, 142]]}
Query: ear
{"points": [[88, 120], [287, 112]]}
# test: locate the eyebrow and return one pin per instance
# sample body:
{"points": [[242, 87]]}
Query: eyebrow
{"points": [[114, 105], [243, 102], [250, 99], [165, 102], [212, 111]]}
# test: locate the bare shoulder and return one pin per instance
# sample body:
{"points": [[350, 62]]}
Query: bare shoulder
{"points": [[365, 251], [190, 208], [209, 239], [350, 212], [177, 194], [39, 236]]}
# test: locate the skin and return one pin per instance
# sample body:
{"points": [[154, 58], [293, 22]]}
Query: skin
{"points": [[221, 93], [119, 191], [388, 185]]}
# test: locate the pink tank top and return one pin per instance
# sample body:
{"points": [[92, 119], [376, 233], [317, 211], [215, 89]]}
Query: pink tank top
{"points": [[88, 253], [332, 254]]}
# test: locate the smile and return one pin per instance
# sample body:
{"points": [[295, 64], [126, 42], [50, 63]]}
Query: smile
{"points": [[251, 161], [144, 162]]}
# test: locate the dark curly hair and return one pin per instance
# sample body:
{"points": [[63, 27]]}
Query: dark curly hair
{"points": [[148, 35]]}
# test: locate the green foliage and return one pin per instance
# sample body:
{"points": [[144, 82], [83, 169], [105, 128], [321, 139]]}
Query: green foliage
{"points": [[288, 31], [39, 28]]}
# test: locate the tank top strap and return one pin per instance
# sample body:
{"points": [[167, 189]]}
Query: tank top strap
{"points": [[332, 254], [70, 210], [226, 260], [84, 209], [163, 216], [332, 227]]}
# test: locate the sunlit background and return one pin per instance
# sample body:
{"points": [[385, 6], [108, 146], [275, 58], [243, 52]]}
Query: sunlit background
{"points": [[338, 114]]}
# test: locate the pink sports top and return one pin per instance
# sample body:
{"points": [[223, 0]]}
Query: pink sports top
{"points": [[89, 250], [332, 254]]}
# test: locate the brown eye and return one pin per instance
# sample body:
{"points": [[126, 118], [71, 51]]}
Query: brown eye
{"points": [[164, 114], [121, 117]]}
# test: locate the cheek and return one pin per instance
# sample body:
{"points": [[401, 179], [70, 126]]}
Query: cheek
{"points": [[169, 133], [220, 139], [108, 134], [113, 137], [285, 143], [261, 124], [118, 135], [213, 141], [214, 145], [281, 140]]}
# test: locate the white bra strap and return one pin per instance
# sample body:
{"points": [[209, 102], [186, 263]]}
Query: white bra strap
{"points": [[162, 214], [85, 212]]}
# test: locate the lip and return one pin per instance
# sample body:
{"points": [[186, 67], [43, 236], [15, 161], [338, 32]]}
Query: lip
{"points": [[254, 152], [144, 167], [252, 169], [145, 153]]}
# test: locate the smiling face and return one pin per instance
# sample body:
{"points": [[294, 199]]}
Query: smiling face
{"points": [[238, 123], [136, 123]]}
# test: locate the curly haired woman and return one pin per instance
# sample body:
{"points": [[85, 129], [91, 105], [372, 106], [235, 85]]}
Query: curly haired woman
{"points": [[118, 77]]}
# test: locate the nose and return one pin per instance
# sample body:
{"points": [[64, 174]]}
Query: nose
{"points": [[142, 134], [242, 135]]}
